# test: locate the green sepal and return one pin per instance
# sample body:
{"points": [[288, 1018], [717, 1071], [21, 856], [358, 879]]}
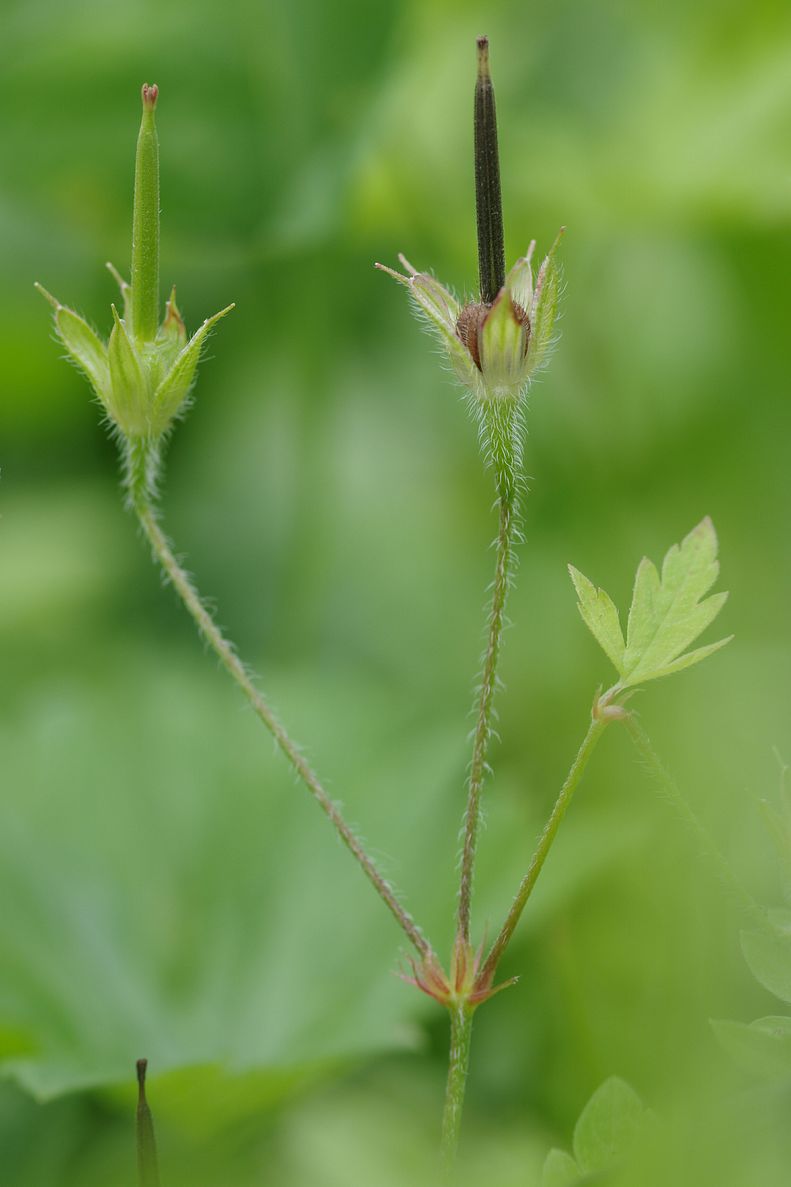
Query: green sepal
{"points": [[82, 344], [173, 331], [442, 311], [126, 293], [519, 280], [544, 308], [174, 389], [171, 339], [503, 338], [130, 389]]}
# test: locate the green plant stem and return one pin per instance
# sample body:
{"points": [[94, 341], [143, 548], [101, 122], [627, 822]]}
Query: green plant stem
{"points": [[669, 788], [589, 743], [483, 722], [458, 1066], [147, 1163], [141, 469]]}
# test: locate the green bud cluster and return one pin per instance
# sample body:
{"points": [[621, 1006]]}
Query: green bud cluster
{"points": [[144, 373]]}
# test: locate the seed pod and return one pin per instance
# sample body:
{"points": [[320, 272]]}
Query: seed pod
{"points": [[144, 375]]}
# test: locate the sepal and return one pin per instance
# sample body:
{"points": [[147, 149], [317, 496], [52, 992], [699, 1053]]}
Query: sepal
{"points": [[130, 388], [174, 389], [82, 344]]}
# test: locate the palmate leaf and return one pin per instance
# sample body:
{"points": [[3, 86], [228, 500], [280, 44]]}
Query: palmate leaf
{"points": [[668, 611]]}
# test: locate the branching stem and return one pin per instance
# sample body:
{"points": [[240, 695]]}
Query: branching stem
{"points": [[141, 465], [589, 743]]}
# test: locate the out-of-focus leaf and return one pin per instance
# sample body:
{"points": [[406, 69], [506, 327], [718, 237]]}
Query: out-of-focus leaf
{"points": [[200, 911], [769, 957], [608, 1126], [560, 1170], [761, 1048]]}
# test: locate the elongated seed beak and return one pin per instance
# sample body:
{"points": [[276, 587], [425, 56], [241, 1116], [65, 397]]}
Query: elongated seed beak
{"points": [[488, 200], [145, 224]]}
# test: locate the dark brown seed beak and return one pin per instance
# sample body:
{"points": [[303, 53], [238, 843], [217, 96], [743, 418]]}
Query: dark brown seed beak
{"points": [[488, 200]]}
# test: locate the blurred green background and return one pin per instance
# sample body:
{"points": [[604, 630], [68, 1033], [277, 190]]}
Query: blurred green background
{"points": [[167, 889]]}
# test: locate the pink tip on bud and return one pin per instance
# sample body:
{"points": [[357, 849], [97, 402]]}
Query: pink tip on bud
{"points": [[150, 95]]}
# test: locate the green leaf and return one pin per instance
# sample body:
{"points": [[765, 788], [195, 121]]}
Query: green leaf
{"points": [[560, 1170], [187, 901], [175, 387], [600, 616], [608, 1126], [667, 613], [769, 957], [761, 1048]]}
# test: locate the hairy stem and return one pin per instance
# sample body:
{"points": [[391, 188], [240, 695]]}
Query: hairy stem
{"points": [[669, 788], [483, 723], [140, 481], [590, 741], [460, 1034]]}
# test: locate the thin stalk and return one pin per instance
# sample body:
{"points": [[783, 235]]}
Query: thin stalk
{"points": [[669, 788], [140, 475], [589, 743], [147, 1163], [458, 1067], [483, 722]]}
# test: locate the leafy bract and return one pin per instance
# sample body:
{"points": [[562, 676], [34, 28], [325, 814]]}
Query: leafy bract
{"points": [[668, 611]]}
